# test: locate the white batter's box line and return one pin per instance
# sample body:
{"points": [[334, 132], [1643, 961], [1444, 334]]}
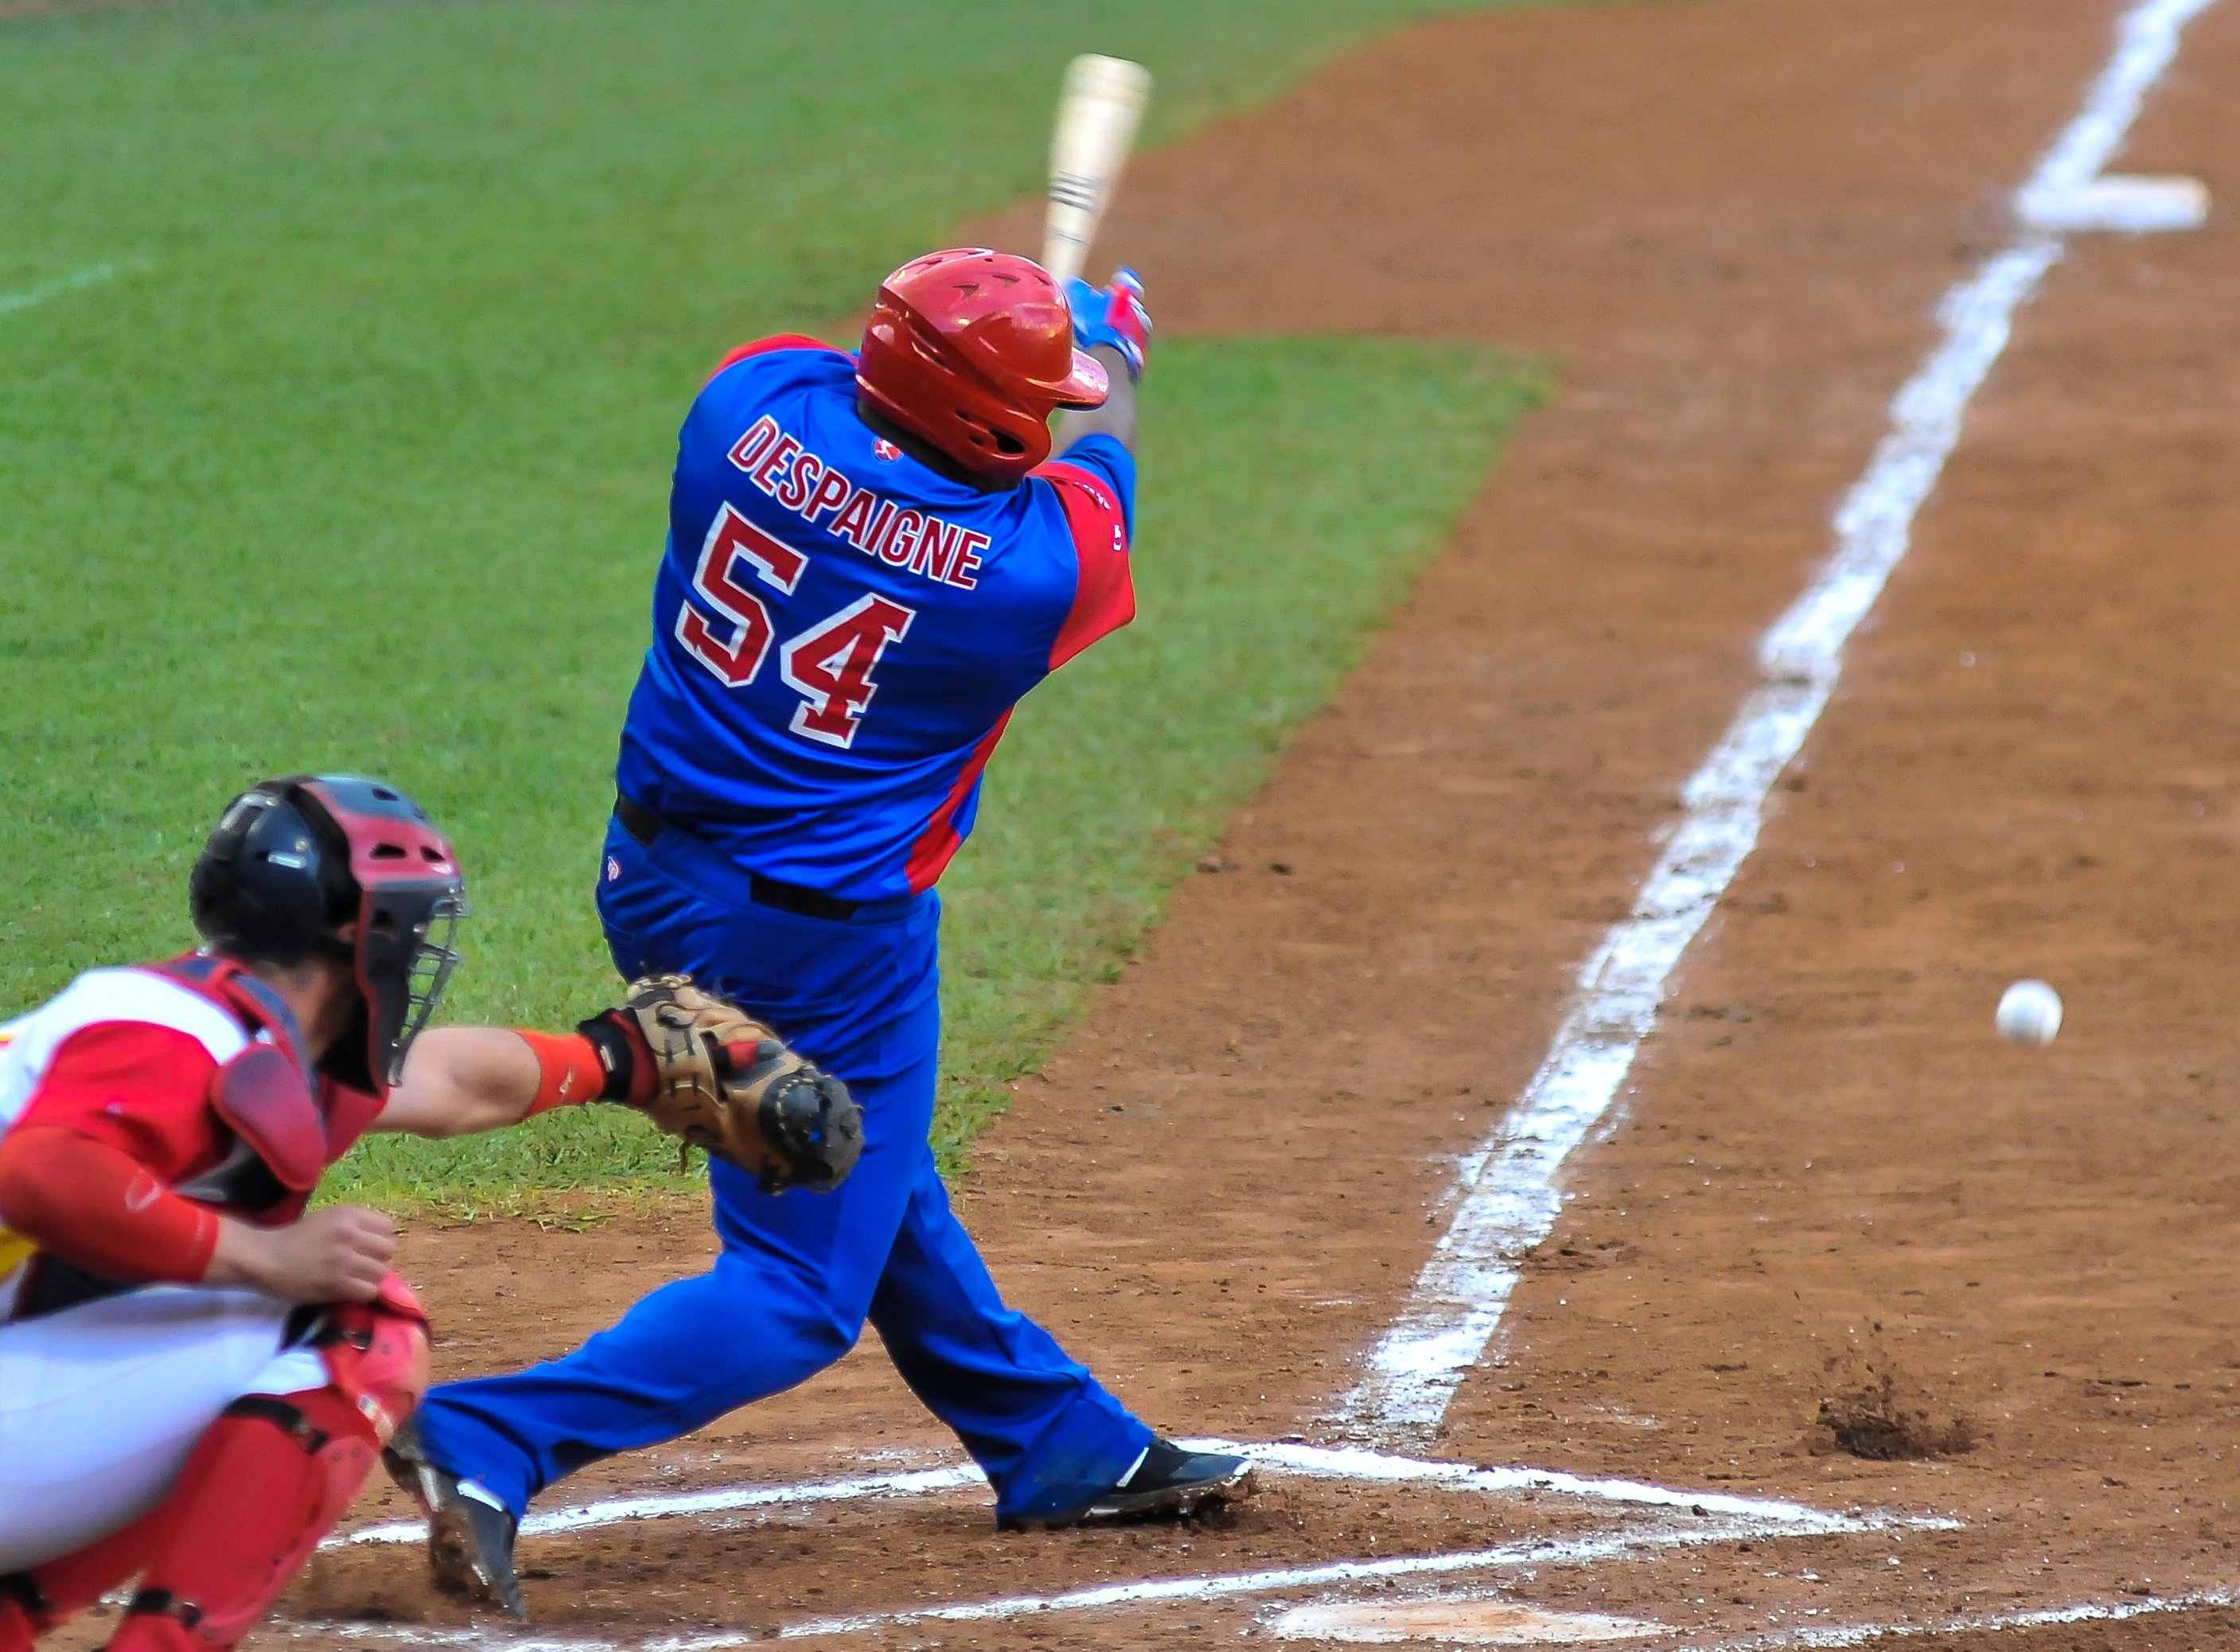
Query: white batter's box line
{"points": [[1328, 1619], [1280, 1457], [1836, 1635], [1572, 1551], [727, 1500], [1360, 1465], [1510, 1196]]}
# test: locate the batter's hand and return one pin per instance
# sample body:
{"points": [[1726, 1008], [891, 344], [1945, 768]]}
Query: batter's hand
{"points": [[1114, 316], [338, 1255]]}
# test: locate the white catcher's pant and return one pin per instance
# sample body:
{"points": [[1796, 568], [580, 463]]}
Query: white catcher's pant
{"points": [[101, 1404]]}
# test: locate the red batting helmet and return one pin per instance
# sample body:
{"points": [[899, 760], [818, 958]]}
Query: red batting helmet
{"points": [[972, 350]]}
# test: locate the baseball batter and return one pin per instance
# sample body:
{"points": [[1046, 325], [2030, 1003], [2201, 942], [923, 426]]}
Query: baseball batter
{"points": [[195, 1373], [871, 558]]}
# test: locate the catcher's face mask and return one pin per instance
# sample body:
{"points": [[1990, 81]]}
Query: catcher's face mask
{"points": [[411, 898]]}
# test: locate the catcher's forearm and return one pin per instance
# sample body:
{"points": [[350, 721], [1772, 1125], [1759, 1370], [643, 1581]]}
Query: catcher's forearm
{"points": [[459, 1080], [700, 1067]]}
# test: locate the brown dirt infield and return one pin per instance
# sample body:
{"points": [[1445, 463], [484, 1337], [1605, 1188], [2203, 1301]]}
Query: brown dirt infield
{"points": [[1731, 219]]}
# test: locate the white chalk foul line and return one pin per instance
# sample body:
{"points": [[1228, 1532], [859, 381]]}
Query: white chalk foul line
{"points": [[1509, 1197], [1284, 1457], [91, 275]]}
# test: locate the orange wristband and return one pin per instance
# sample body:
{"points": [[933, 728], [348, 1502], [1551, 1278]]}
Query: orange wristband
{"points": [[568, 1071]]}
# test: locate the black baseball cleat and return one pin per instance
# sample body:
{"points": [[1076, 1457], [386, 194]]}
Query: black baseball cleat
{"points": [[1166, 1480], [469, 1533]]}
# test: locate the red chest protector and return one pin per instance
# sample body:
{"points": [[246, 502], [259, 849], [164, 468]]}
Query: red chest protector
{"points": [[288, 1122]]}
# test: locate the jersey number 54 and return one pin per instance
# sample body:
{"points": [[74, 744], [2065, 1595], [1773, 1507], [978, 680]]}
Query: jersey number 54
{"points": [[829, 665]]}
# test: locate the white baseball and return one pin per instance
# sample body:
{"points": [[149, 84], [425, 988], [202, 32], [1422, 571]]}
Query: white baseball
{"points": [[2030, 1013]]}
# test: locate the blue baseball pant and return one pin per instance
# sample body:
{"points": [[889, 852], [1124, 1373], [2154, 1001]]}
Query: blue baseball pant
{"points": [[800, 1272]]}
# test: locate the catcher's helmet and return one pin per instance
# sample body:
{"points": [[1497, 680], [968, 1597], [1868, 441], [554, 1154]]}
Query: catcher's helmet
{"points": [[295, 860], [972, 350]]}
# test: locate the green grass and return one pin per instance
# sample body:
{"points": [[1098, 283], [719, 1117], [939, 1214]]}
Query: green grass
{"points": [[360, 460]]}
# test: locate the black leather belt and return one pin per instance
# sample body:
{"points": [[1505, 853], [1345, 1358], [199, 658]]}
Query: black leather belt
{"points": [[645, 825]]}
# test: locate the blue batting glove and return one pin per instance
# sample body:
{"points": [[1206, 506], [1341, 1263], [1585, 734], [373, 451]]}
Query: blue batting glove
{"points": [[1113, 316]]}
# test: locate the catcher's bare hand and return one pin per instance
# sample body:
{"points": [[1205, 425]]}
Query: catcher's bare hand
{"points": [[338, 1255], [706, 1071]]}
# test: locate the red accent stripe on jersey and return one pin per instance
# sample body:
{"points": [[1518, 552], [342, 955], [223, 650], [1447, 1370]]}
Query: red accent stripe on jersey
{"points": [[1104, 600], [768, 346], [937, 845], [143, 1089]]}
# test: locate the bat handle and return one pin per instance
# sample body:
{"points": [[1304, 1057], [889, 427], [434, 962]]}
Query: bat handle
{"points": [[1064, 258]]}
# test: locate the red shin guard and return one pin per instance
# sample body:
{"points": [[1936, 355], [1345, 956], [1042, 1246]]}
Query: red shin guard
{"points": [[268, 1480], [34, 1602]]}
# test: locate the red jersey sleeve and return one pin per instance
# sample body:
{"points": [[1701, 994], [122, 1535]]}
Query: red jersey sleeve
{"points": [[765, 346], [1104, 600], [99, 1209], [142, 1088], [121, 1114]]}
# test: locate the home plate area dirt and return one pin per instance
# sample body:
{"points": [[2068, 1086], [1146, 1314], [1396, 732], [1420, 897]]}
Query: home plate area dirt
{"points": [[1832, 1213]]}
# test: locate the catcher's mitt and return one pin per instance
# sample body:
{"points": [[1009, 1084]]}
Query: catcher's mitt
{"points": [[725, 1082]]}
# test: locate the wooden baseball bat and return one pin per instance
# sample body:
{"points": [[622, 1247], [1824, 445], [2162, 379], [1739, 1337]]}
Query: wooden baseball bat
{"points": [[1097, 114]]}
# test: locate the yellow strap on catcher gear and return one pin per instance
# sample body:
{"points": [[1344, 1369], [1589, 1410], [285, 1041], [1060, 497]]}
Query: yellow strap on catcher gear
{"points": [[15, 1249]]}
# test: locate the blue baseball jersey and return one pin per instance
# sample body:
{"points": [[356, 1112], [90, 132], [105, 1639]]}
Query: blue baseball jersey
{"points": [[840, 631]]}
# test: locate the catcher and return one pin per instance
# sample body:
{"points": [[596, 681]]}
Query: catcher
{"points": [[196, 1373]]}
